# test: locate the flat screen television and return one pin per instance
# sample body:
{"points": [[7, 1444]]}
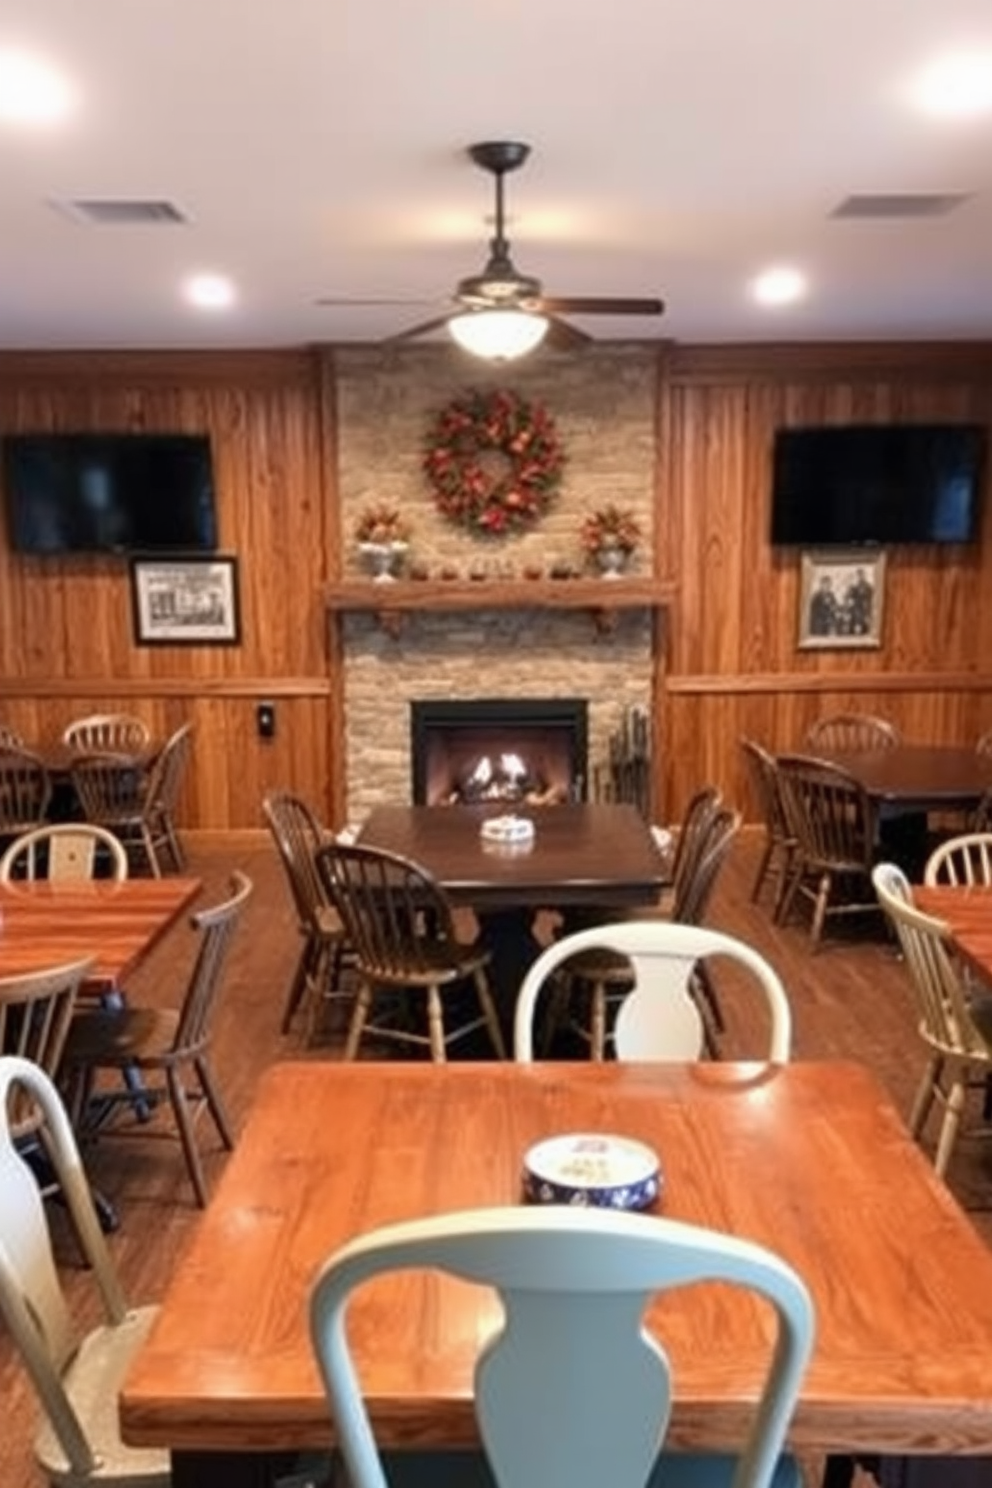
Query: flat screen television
{"points": [[108, 493], [866, 484]]}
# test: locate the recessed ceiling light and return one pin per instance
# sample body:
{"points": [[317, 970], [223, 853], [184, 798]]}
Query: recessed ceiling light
{"points": [[780, 286], [957, 87], [31, 91], [209, 291]]}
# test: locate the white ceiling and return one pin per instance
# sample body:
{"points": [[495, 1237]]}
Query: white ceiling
{"points": [[680, 147]]}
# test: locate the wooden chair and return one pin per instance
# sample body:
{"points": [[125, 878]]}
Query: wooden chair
{"points": [[693, 835], [63, 851], [843, 733], [961, 860], [76, 1378], [956, 1028], [35, 1016], [116, 792], [832, 819], [165, 783], [780, 845], [607, 976], [25, 791], [399, 924], [570, 1389], [659, 1016], [298, 833], [981, 820], [171, 1042], [984, 744], [107, 733]]}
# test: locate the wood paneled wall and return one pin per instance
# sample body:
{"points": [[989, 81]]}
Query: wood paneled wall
{"points": [[66, 639], [731, 665]]}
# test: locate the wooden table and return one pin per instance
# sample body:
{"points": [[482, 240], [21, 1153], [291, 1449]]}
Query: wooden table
{"points": [[922, 777], [48, 923], [584, 856], [968, 912], [809, 1158]]}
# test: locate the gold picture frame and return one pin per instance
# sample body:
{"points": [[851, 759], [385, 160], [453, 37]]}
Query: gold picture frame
{"points": [[841, 599]]}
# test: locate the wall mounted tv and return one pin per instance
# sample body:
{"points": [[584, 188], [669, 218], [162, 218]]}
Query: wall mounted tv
{"points": [[108, 493], [864, 484]]}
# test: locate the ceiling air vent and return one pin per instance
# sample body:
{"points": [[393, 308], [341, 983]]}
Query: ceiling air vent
{"points": [[117, 212], [900, 204]]}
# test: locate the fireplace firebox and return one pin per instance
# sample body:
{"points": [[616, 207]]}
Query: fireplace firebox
{"points": [[530, 751]]}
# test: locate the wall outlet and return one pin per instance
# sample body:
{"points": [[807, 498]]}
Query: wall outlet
{"points": [[265, 720]]}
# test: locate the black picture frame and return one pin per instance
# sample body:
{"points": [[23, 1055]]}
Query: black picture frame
{"points": [[184, 601]]}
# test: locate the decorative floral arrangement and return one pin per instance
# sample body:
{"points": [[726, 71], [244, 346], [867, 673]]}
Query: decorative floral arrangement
{"points": [[381, 524], [494, 461], [610, 527]]}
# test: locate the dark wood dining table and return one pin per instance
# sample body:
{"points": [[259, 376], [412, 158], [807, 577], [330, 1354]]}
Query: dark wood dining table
{"points": [[584, 857], [919, 777], [47, 923], [810, 1159]]}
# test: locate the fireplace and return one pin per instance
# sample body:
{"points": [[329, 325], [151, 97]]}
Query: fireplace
{"points": [[528, 751]]}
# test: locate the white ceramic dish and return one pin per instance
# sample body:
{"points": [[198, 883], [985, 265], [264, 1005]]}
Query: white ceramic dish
{"points": [[594, 1168], [507, 829]]}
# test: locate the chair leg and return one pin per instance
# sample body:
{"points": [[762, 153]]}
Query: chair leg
{"points": [[785, 872], [923, 1100], [184, 1125], [297, 987], [820, 910], [148, 844], [950, 1124], [789, 892], [359, 1017], [763, 866], [214, 1103], [435, 1025], [597, 1022], [488, 1007], [702, 982], [175, 846]]}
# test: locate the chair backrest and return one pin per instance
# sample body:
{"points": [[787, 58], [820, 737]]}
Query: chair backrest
{"points": [[216, 926], [829, 812], [393, 911], [843, 732], [763, 770], [571, 1388], [167, 773], [101, 733], [692, 833], [961, 860], [659, 1018], [110, 787], [695, 889], [941, 1001], [25, 790], [64, 851], [35, 1011], [9, 739], [298, 834], [31, 1300]]}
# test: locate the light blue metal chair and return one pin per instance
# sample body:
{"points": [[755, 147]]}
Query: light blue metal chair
{"points": [[572, 1392]]}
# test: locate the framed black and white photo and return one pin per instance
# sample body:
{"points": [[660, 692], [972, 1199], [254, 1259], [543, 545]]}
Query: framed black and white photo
{"points": [[841, 599], [185, 601]]}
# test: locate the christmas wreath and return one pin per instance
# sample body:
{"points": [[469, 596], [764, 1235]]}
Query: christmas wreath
{"points": [[494, 461]]}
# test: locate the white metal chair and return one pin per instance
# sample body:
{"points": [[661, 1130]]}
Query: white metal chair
{"points": [[572, 1390], [64, 851], [77, 1379], [659, 1018]]}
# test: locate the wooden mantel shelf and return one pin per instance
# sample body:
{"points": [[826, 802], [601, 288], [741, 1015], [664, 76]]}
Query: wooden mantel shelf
{"points": [[603, 598]]}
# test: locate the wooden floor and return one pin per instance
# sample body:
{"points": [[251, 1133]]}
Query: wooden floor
{"points": [[849, 1001]]}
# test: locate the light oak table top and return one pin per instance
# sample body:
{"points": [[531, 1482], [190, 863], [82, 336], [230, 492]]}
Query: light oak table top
{"points": [[808, 1158], [48, 923], [968, 913]]}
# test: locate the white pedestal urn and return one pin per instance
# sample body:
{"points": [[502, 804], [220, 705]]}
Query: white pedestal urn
{"points": [[382, 559], [612, 560]]}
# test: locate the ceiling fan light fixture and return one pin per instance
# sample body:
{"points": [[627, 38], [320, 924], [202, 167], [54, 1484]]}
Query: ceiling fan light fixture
{"points": [[498, 335]]}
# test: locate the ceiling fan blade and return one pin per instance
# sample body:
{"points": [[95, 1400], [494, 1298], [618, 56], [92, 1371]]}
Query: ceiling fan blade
{"points": [[422, 329], [573, 305], [334, 301], [561, 336]]}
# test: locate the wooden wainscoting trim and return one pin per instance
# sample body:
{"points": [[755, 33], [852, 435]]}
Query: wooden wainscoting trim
{"points": [[823, 682], [150, 687]]}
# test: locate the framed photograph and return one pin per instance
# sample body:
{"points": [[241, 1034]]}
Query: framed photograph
{"points": [[185, 601], [841, 598]]}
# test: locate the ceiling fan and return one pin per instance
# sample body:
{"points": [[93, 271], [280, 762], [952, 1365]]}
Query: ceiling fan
{"points": [[502, 313]]}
